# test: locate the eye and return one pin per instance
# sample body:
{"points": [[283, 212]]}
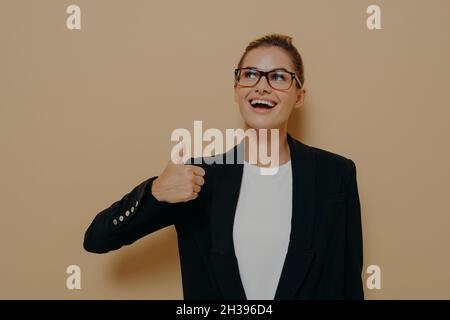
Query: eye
{"points": [[278, 76], [250, 74]]}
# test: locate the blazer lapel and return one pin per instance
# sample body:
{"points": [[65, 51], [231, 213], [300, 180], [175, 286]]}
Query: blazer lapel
{"points": [[224, 201], [300, 251]]}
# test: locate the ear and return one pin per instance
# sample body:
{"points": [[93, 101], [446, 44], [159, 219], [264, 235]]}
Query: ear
{"points": [[300, 99]]}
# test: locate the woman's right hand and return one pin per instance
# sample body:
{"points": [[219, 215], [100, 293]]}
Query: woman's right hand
{"points": [[178, 182]]}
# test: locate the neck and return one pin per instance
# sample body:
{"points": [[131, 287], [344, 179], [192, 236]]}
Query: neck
{"points": [[263, 155]]}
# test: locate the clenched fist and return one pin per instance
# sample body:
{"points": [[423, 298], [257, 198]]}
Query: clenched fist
{"points": [[178, 182]]}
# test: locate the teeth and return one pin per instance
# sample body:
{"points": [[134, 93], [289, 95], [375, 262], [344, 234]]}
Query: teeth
{"points": [[255, 101]]}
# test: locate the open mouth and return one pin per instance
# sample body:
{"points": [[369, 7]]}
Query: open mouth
{"points": [[262, 103]]}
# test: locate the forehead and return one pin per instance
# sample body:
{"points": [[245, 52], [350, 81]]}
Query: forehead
{"points": [[268, 58]]}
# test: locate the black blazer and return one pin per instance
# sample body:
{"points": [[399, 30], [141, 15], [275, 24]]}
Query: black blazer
{"points": [[325, 253]]}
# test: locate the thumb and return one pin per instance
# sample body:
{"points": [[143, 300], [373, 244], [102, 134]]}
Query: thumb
{"points": [[178, 153]]}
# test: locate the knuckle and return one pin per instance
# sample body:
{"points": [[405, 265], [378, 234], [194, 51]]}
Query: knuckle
{"points": [[187, 196]]}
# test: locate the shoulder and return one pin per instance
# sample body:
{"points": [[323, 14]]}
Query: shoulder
{"points": [[331, 158], [208, 164], [232, 156], [332, 164]]}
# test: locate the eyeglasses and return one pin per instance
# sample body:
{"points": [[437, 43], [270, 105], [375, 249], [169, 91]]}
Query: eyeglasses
{"points": [[278, 79]]}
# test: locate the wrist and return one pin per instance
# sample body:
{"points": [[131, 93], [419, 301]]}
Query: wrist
{"points": [[154, 189]]}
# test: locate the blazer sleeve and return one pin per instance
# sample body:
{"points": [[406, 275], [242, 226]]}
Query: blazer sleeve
{"points": [[354, 241], [137, 214]]}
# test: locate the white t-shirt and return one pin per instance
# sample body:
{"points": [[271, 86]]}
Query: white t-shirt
{"points": [[262, 228]]}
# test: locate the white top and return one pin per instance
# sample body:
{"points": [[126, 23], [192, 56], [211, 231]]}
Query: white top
{"points": [[262, 228]]}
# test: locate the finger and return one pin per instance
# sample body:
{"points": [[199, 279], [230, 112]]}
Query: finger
{"points": [[199, 180], [199, 171], [178, 153], [197, 188], [182, 150], [192, 196]]}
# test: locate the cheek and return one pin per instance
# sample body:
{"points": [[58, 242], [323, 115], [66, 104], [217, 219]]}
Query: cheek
{"points": [[288, 100], [240, 95]]}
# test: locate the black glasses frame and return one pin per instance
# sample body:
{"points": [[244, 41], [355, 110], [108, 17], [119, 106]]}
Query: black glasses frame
{"points": [[264, 74]]}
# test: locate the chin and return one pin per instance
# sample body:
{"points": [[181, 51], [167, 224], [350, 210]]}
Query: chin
{"points": [[261, 124], [257, 120]]}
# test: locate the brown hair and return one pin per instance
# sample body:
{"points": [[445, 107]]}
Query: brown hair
{"points": [[281, 41]]}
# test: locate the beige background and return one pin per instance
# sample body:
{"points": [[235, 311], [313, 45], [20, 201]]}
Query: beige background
{"points": [[87, 115]]}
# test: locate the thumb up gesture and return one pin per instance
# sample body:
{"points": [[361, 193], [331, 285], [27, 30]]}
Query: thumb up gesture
{"points": [[178, 182]]}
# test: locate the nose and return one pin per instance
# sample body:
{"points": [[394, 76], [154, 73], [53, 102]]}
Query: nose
{"points": [[263, 84]]}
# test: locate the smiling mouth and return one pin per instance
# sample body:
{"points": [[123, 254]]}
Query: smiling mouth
{"points": [[262, 104]]}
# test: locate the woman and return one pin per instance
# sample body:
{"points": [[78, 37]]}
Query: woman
{"points": [[295, 234]]}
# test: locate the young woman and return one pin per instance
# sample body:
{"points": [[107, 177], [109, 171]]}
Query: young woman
{"points": [[295, 234]]}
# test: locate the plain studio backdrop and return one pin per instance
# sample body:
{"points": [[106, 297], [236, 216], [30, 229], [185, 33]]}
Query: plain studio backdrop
{"points": [[86, 115]]}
